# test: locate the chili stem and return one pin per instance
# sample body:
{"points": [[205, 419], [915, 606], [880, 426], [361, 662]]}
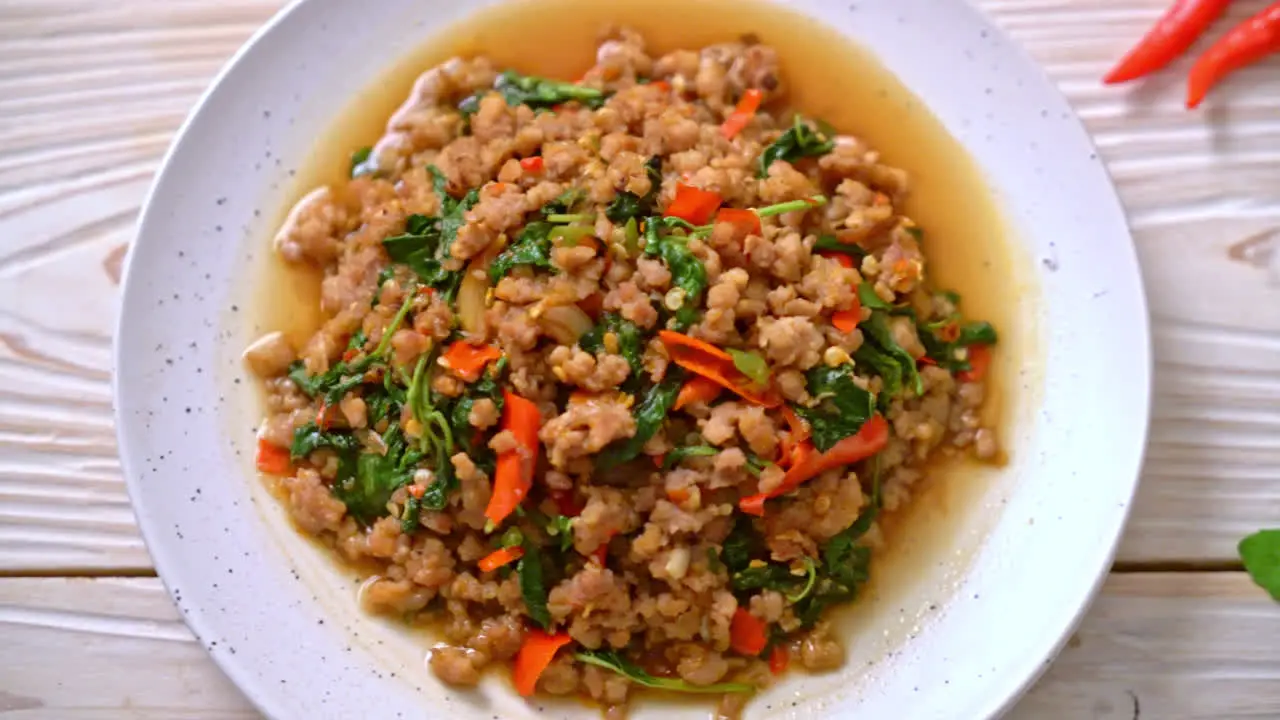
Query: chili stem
{"points": [[562, 218], [786, 207], [396, 321], [703, 231]]}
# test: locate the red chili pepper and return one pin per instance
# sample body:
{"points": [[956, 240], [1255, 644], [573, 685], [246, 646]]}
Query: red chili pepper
{"points": [[536, 653], [272, 459], [742, 114], [1172, 34], [513, 475], [808, 463], [799, 428], [779, 659], [693, 204], [533, 164], [696, 389], [592, 305], [846, 321], [601, 554], [1244, 45], [845, 261], [323, 421], [979, 363], [467, 361], [748, 634], [745, 222], [716, 365], [566, 502], [753, 504], [500, 557]]}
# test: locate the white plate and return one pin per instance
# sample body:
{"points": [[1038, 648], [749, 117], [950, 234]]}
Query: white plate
{"points": [[282, 621]]}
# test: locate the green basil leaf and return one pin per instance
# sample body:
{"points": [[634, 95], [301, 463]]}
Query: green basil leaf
{"points": [[360, 164], [532, 247], [976, 333], [532, 588], [614, 661], [631, 341], [843, 406], [561, 527], [829, 243], [799, 141], [876, 329], [411, 516], [544, 94], [677, 455], [868, 298], [752, 364], [650, 415], [687, 271], [1260, 553]]}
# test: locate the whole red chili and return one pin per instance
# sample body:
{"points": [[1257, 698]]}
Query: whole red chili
{"points": [[1181, 24], [1246, 44]]}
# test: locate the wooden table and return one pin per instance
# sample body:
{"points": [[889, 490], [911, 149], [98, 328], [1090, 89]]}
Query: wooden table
{"points": [[90, 94]]}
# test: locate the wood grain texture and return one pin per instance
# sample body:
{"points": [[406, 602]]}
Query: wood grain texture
{"points": [[90, 94], [1173, 645]]}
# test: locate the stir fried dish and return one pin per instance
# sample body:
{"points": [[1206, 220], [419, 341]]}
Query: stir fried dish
{"points": [[617, 377]]}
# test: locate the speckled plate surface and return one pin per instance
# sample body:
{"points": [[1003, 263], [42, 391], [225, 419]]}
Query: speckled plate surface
{"points": [[962, 642]]}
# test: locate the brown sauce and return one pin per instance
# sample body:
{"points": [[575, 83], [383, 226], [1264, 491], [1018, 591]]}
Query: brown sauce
{"points": [[929, 544]]}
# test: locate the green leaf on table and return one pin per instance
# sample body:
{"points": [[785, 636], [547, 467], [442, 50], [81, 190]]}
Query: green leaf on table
{"points": [[1260, 553]]}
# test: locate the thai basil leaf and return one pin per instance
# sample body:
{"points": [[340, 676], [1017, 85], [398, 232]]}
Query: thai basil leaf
{"points": [[542, 93], [650, 414], [687, 271], [677, 455], [445, 483], [843, 407], [630, 340], [377, 476], [829, 243], [487, 387], [561, 528], [845, 564], [799, 141], [426, 244], [411, 516], [884, 365], [532, 247], [876, 328], [614, 661], [977, 333], [868, 298], [629, 206], [532, 586], [309, 438], [740, 545], [564, 203], [764, 576], [360, 163]]}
